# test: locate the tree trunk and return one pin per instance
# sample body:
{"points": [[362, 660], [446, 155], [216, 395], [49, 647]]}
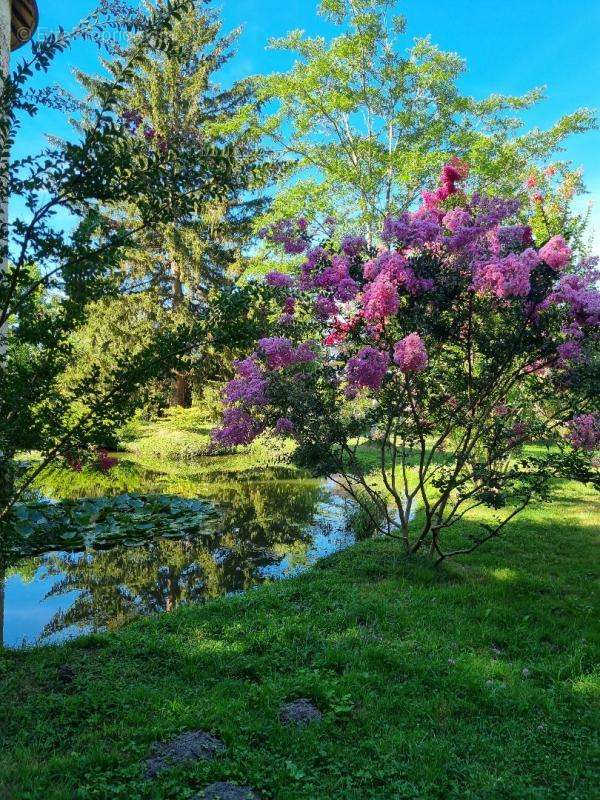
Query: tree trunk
{"points": [[2, 599], [181, 391]]}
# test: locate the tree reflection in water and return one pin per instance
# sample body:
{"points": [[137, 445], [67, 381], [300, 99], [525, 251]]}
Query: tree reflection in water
{"points": [[259, 525]]}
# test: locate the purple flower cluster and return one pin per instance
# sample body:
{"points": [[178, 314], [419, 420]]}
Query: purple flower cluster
{"points": [[353, 245], [584, 431], [569, 352], [280, 352], [410, 353], [433, 261], [580, 295], [284, 426], [238, 428], [276, 278], [325, 307], [289, 311], [412, 230], [249, 388], [507, 276], [289, 233], [332, 273], [367, 369]]}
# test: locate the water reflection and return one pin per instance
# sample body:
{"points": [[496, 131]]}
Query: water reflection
{"points": [[262, 531]]}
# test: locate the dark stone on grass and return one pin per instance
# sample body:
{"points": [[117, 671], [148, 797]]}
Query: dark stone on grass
{"points": [[226, 791], [299, 712], [65, 673], [187, 746]]}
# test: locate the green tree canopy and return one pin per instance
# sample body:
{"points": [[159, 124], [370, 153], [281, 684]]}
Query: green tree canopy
{"points": [[366, 125]]}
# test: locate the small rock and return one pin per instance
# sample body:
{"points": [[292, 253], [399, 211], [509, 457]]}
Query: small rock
{"points": [[65, 673], [226, 791], [187, 746], [299, 712], [526, 673]]}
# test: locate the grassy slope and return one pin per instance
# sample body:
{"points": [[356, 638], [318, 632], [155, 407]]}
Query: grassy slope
{"points": [[170, 455], [398, 656]]}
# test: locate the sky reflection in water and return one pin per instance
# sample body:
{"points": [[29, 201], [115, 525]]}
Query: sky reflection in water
{"points": [[262, 531]]}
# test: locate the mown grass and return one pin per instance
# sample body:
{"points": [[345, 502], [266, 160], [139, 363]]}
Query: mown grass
{"points": [[477, 681]]}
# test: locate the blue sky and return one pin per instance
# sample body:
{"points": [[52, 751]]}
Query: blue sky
{"points": [[509, 47]]}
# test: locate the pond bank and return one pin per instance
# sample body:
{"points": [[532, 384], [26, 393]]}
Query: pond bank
{"points": [[475, 681]]}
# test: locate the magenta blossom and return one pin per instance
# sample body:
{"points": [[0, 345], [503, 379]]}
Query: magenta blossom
{"points": [[284, 426], [105, 461], [367, 369], [276, 278], [380, 299], [556, 253], [410, 353], [506, 277], [584, 431]]}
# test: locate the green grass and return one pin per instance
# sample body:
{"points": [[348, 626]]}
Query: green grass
{"points": [[183, 435], [171, 455], [419, 673]]}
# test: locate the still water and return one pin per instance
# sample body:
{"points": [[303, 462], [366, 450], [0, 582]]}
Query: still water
{"points": [[257, 531]]}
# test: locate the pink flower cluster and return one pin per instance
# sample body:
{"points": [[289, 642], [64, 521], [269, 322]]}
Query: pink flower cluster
{"points": [[584, 431], [380, 298], [556, 253], [367, 369], [410, 353], [452, 173], [507, 276]]}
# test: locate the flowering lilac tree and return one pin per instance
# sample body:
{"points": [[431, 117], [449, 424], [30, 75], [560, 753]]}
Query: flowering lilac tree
{"points": [[451, 347]]}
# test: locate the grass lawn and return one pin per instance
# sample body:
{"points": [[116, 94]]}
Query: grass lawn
{"points": [[472, 681]]}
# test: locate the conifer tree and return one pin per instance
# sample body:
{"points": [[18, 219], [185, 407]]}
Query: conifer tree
{"points": [[175, 104]]}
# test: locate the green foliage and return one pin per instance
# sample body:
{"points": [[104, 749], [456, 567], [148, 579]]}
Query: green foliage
{"points": [[57, 273], [366, 126], [173, 103]]}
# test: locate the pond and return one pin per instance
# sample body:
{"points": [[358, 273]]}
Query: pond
{"points": [[245, 533]]}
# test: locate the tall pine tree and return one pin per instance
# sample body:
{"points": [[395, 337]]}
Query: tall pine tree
{"points": [[175, 103]]}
